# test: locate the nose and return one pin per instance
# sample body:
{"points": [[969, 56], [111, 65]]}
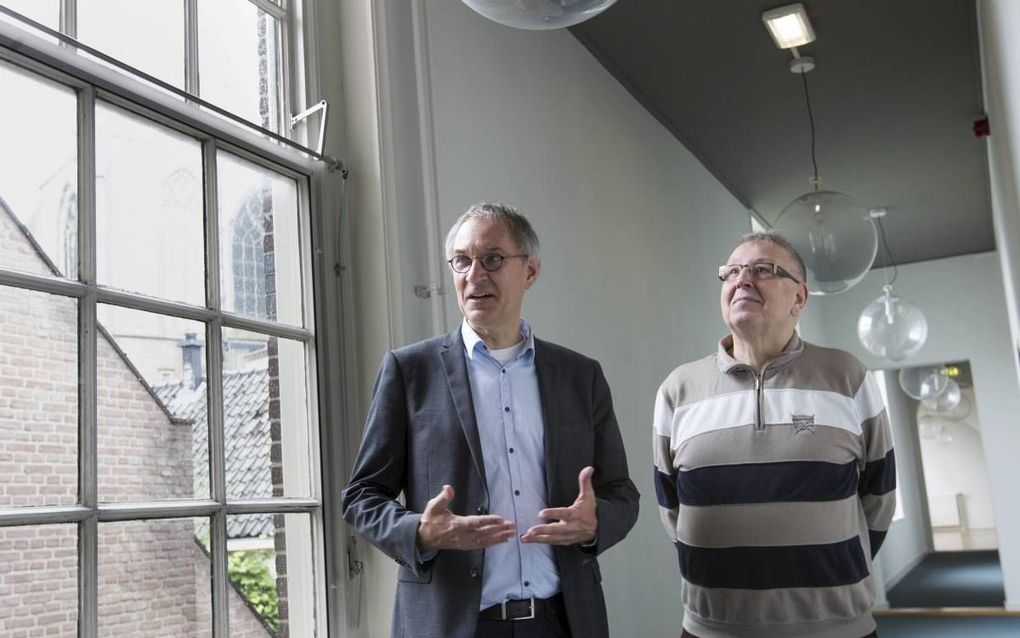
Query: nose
{"points": [[475, 272], [744, 279]]}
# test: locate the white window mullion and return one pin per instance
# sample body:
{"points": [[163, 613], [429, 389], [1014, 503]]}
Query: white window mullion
{"points": [[69, 18], [191, 77], [88, 476], [214, 394]]}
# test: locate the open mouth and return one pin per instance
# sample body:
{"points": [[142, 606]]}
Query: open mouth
{"points": [[479, 296]]}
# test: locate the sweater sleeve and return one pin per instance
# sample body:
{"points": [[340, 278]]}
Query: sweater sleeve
{"points": [[877, 485], [664, 473]]}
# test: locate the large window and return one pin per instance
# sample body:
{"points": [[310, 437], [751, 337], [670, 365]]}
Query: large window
{"points": [[159, 429]]}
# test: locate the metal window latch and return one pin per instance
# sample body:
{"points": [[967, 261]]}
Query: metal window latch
{"points": [[305, 114], [425, 291], [355, 567]]}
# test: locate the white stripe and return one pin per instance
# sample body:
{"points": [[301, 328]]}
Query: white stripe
{"points": [[868, 399], [827, 408], [662, 415], [718, 413], [737, 409]]}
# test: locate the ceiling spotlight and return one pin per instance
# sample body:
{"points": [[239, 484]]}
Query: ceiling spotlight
{"points": [[789, 26]]}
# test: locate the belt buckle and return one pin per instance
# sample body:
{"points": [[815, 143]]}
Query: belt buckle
{"points": [[531, 610]]}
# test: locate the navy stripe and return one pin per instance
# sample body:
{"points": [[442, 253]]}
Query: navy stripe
{"points": [[665, 490], [767, 483], [876, 539], [841, 563], [879, 476]]}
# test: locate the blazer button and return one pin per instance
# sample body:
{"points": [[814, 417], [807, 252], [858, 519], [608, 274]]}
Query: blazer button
{"points": [[481, 511], [474, 572]]}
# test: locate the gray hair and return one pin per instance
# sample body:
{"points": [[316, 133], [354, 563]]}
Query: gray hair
{"points": [[520, 228], [774, 238]]}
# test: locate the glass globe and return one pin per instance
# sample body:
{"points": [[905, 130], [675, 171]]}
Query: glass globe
{"points": [[946, 400], [912, 378], [892, 327], [928, 430], [933, 385], [835, 236], [539, 14]]}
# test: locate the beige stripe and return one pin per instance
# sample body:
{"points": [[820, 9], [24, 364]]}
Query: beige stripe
{"points": [[825, 369], [769, 524], [779, 606], [775, 443], [878, 436]]}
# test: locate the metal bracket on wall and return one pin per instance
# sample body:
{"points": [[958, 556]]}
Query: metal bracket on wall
{"points": [[305, 114], [424, 291]]}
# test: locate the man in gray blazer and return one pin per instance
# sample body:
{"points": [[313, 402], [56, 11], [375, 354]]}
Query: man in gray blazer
{"points": [[508, 455]]}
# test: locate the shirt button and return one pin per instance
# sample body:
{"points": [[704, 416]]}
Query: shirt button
{"points": [[503, 370], [506, 409], [474, 572], [511, 450], [481, 511], [517, 492], [527, 583]]}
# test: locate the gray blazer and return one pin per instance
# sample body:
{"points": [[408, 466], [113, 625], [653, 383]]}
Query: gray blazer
{"points": [[421, 433]]}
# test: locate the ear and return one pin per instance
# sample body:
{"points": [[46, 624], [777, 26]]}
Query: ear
{"points": [[532, 269], [800, 301]]}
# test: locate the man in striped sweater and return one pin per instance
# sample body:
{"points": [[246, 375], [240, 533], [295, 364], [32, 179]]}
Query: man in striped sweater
{"points": [[774, 467]]}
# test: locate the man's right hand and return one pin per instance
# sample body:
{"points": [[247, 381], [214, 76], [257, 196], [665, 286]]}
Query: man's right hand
{"points": [[440, 528]]}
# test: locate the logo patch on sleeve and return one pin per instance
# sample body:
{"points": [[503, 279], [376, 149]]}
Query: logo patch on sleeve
{"points": [[803, 423]]}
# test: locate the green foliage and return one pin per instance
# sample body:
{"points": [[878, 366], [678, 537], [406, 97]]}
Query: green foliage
{"points": [[249, 573]]}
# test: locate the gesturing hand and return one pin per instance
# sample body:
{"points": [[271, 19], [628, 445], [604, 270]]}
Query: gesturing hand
{"points": [[439, 528], [573, 525]]}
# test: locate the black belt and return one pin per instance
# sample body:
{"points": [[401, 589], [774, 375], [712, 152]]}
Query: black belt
{"points": [[525, 609]]}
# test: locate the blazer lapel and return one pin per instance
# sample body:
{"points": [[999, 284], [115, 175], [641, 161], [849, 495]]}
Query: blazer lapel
{"points": [[452, 354], [545, 368]]}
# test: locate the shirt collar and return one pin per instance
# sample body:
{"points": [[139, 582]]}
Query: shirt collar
{"points": [[473, 343], [728, 364]]}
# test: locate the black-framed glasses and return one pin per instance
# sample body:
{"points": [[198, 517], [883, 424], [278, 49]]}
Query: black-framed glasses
{"points": [[491, 262], [731, 272]]}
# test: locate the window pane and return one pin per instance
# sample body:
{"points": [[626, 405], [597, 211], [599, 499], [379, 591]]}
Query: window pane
{"points": [[46, 12], [260, 257], [266, 421], [270, 562], [239, 60], [38, 183], [153, 579], [146, 35], [149, 228], [39, 580], [151, 407], [38, 398]]}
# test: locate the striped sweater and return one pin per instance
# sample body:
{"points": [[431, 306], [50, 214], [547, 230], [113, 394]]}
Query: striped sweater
{"points": [[777, 489]]}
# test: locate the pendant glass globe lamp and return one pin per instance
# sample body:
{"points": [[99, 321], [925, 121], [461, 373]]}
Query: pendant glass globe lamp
{"points": [[834, 235], [892, 327], [539, 14], [943, 396], [911, 379]]}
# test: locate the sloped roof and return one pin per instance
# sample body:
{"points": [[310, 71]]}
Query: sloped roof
{"points": [[246, 438]]}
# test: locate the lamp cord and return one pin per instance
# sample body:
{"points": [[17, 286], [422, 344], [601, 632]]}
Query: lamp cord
{"points": [[888, 253], [811, 119]]}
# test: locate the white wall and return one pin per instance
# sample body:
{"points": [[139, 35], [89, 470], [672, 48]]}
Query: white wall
{"points": [[952, 439], [962, 298], [631, 225]]}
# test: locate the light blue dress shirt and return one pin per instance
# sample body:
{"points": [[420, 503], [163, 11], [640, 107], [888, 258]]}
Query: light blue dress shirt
{"points": [[508, 410]]}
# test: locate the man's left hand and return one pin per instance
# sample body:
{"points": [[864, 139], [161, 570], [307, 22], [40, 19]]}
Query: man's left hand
{"points": [[574, 525]]}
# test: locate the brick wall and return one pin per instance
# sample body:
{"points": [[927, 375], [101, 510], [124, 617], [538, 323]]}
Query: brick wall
{"points": [[153, 579]]}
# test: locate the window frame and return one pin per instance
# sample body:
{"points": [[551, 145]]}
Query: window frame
{"points": [[93, 83]]}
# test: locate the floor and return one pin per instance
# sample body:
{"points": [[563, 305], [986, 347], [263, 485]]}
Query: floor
{"points": [[952, 579], [941, 627], [948, 539]]}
